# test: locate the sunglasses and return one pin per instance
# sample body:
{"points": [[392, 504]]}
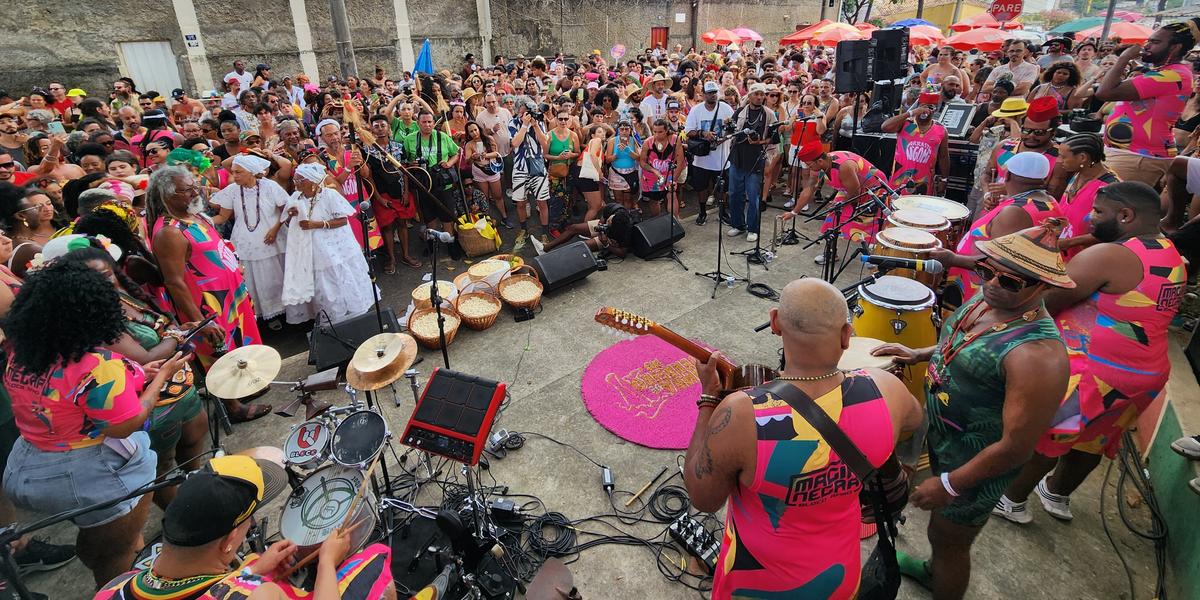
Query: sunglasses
{"points": [[1009, 282], [1036, 131], [8, 165]]}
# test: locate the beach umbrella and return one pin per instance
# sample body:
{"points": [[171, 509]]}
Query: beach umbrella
{"points": [[925, 35], [747, 34], [983, 20], [1130, 33], [803, 35], [867, 27], [1078, 25], [833, 35], [424, 62], [721, 37], [912, 23], [984, 39], [1127, 15]]}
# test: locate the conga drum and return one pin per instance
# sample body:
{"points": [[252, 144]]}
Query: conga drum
{"points": [[955, 213], [895, 309], [906, 242]]}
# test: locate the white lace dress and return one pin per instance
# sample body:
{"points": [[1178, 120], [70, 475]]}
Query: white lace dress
{"points": [[255, 211], [336, 280]]}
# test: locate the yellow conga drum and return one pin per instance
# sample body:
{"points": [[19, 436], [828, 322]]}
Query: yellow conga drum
{"points": [[900, 310], [906, 242]]}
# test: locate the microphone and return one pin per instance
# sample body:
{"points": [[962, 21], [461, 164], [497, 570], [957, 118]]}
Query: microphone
{"points": [[437, 234], [892, 262]]}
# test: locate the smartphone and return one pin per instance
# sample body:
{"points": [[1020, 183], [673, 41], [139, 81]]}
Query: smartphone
{"points": [[196, 330], [56, 127]]}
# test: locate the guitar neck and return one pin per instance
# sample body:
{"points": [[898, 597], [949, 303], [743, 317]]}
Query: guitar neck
{"points": [[696, 350]]}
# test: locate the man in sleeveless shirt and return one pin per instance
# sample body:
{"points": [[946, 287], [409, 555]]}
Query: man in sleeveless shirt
{"points": [[922, 148], [792, 529], [995, 380], [1114, 322], [1037, 135]]}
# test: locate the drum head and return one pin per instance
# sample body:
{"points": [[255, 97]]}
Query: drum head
{"points": [[858, 355], [919, 219], [359, 438], [948, 209], [899, 293], [307, 444], [907, 238], [321, 503]]}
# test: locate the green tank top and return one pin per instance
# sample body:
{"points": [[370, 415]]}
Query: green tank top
{"points": [[558, 146]]}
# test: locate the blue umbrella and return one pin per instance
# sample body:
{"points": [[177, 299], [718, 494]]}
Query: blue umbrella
{"points": [[424, 60], [912, 23]]}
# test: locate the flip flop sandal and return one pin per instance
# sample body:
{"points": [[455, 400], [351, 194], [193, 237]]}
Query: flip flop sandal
{"points": [[250, 413]]}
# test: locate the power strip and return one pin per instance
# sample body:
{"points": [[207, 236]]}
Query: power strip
{"points": [[695, 539]]}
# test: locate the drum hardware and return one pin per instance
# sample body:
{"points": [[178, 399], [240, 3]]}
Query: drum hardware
{"points": [[317, 382], [898, 325], [830, 270], [243, 371], [381, 360]]}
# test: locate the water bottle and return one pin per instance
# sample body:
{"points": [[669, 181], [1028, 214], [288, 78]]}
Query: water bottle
{"points": [[729, 281]]}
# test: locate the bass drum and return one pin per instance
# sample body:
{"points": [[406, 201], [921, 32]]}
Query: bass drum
{"points": [[899, 310], [320, 505]]}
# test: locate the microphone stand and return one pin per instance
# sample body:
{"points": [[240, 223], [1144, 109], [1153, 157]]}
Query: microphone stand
{"points": [[829, 236], [673, 252], [363, 221], [717, 276], [436, 298], [755, 255]]}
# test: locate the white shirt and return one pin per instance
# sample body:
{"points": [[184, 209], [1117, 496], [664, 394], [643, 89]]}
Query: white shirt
{"points": [[502, 117], [653, 108], [246, 78], [700, 119]]}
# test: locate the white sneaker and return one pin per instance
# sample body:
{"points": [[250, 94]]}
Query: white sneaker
{"points": [[1013, 511], [751, 237], [819, 259], [789, 204], [1058, 506], [712, 201], [538, 246], [733, 231]]}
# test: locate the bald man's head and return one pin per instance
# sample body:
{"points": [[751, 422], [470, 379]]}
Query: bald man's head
{"points": [[812, 307]]}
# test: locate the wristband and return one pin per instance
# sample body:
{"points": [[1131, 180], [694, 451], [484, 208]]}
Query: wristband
{"points": [[702, 403], [946, 484]]}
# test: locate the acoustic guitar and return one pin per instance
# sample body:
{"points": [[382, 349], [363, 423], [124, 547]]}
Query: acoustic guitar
{"points": [[733, 377]]}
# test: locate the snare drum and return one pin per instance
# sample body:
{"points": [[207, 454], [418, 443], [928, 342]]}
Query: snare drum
{"points": [[906, 242], [320, 505], [358, 439], [955, 212], [307, 446], [895, 309]]}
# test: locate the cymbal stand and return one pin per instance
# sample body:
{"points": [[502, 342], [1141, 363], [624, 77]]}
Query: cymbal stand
{"points": [[387, 440], [411, 376]]}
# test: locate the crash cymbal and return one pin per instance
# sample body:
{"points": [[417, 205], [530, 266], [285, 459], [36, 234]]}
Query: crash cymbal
{"points": [[243, 371], [367, 382], [385, 351]]}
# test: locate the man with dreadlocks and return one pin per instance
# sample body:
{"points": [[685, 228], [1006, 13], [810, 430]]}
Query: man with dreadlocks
{"points": [[1150, 102]]}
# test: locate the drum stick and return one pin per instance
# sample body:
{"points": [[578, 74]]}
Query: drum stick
{"points": [[346, 525], [645, 487]]}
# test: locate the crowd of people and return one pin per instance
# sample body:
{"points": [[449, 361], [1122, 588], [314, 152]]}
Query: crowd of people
{"points": [[144, 235]]}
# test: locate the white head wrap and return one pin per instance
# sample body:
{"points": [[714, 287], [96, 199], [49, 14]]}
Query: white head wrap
{"points": [[311, 171], [255, 164], [325, 122]]}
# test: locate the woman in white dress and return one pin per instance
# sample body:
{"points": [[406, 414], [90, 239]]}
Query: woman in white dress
{"points": [[256, 204], [325, 270]]}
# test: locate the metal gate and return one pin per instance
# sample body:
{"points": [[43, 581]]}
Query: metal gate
{"points": [[151, 65]]}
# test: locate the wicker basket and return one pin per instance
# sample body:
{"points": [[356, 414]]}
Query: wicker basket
{"points": [[485, 321], [474, 244], [508, 258], [433, 342], [426, 302], [462, 281], [515, 276]]}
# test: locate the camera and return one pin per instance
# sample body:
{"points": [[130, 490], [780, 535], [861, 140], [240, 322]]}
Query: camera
{"points": [[602, 229]]}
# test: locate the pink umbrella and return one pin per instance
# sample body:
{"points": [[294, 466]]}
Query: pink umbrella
{"points": [[1127, 15], [1130, 33], [925, 35], [865, 26], [720, 36], [748, 34], [983, 20], [985, 39]]}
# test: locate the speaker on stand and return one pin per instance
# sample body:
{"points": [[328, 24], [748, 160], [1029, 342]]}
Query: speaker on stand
{"points": [[889, 49], [853, 67]]}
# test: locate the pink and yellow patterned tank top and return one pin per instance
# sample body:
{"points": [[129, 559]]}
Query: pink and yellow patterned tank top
{"points": [[916, 155], [1039, 210], [1077, 208], [794, 532], [869, 177]]}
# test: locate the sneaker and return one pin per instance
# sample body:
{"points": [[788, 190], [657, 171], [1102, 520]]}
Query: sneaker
{"points": [[751, 237], [41, 556], [545, 239], [1058, 506], [538, 246], [1013, 511], [1187, 447], [506, 223], [702, 218], [711, 201], [819, 259], [789, 204], [734, 231], [1195, 484]]}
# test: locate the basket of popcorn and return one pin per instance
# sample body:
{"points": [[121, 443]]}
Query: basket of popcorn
{"points": [[420, 295], [514, 262], [478, 309], [423, 326], [521, 290]]}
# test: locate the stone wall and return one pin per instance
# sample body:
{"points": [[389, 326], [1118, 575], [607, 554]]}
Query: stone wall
{"points": [[77, 43]]}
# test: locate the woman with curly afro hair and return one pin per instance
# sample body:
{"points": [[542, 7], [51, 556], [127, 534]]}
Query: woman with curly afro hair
{"points": [[80, 409]]}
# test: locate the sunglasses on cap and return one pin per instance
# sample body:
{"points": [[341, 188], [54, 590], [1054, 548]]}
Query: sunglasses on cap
{"points": [[1008, 281]]}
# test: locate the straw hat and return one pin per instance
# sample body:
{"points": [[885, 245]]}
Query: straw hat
{"points": [[1032, 252], [1011, 107]]}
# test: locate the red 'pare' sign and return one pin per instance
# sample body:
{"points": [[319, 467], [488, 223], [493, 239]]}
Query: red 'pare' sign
{"points": [[1006, 10]]}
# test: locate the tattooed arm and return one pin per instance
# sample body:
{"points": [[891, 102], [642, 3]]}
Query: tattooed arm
{"points": [[723, 446]]}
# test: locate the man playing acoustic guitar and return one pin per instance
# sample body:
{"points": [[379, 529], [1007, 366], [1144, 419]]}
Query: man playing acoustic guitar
{"points": [[792, 528]]}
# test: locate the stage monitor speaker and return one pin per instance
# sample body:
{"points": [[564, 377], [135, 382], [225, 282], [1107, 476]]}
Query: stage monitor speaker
{"points": [[653, 237], [887, 95], [454, 415], [332, 345], [890, 49], [852, 67], [564, 265]]}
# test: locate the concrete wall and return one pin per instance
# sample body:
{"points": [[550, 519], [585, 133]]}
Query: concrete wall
{"points": [[77, 42]]}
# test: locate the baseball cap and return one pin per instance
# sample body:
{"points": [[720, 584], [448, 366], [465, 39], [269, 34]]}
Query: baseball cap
{"points": [[592, 85], [210, 95], [177, 93], [672, 103], [261, 66], [1031, 165], [76, 92], [219, 497], [711, 87]]}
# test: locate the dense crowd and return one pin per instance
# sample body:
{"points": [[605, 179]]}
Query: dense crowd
{"points": [[131, 217]]}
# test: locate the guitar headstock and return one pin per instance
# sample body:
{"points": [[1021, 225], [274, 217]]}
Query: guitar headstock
{"points": [[624, 321]]}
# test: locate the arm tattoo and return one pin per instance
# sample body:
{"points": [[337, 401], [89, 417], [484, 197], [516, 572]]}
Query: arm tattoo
{"points": [[704, 463]]}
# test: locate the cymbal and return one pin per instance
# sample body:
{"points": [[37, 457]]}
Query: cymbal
{"points": [[243, 371], [385, 350]]}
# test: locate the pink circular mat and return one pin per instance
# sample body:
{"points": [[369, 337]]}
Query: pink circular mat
{"points": [[643, 390]]}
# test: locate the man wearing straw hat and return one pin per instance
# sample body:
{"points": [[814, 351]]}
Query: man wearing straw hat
{"points": [[995, 380], [654, 105]]}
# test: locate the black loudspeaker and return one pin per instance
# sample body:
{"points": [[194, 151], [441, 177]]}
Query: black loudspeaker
{"points": [[888, 96], [332, 345], [852, 66], [890, 49], [564, 265], [653, 237]]}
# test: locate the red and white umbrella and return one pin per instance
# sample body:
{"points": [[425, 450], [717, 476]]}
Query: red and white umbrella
{"points": [[719, 36], [1130, 33], [984, 39], [925, 35], [803, 35], [747, 35], [983, 20]]}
